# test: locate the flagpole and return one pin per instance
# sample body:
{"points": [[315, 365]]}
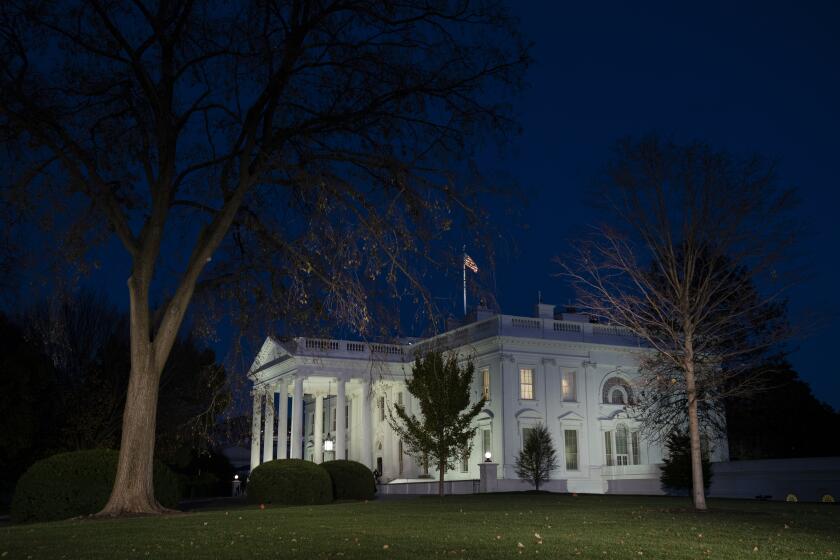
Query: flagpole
{"points": [[464, 266]]}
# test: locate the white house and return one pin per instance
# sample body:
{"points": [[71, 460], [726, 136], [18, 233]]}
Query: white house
{"points": [[563, 371]]}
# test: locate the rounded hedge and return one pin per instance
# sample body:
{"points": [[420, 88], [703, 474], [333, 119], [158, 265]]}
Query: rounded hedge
{"points": [[78, 483], [350, 480], [289, 481]]}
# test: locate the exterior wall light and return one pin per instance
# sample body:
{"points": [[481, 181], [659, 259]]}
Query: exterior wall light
{"points": [[487, 457]]}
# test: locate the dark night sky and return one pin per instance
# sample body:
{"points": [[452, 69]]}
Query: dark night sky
{"points": [[751, 77], [746, 77]]}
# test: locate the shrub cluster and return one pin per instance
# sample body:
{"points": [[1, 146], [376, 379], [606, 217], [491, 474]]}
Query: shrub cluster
{"points": [[350, 480], [78, 483], [290, 482]]}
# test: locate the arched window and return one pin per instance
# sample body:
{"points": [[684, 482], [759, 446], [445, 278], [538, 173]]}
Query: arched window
{"points": [[617, 391]]}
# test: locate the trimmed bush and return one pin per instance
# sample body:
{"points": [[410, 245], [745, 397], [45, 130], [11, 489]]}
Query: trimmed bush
{"points": [[78, 483], [350, 480], [291, 482]]}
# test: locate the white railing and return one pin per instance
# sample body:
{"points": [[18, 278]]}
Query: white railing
{"points": [[499, 325]]}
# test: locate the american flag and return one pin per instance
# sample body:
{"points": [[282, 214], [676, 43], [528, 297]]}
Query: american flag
{"points": [[469, 263]]}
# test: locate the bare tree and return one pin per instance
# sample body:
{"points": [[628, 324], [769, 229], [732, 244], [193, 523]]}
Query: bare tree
{"points": [[286, 154], [692, 263]]}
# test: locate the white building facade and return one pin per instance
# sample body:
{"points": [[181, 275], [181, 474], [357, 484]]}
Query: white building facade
{"points": [[330, 400]]}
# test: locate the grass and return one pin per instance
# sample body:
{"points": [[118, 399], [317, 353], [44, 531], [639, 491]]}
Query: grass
{"points": [[481, 526]]}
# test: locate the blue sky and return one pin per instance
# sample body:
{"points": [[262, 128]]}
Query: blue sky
{"points": [[748, 77]]}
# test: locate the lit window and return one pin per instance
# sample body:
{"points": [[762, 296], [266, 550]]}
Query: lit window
{"points": [[634, 440], [608, 448], [526, 384], [569, 389], [485, 383], [571, 450]]}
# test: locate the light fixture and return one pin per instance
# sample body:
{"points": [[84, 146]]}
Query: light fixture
{"points": [[487, 457], [236, 477]]}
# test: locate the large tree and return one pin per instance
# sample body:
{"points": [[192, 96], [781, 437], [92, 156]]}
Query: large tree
{"points": [[443, 431], [284, 153], [693, 252]]}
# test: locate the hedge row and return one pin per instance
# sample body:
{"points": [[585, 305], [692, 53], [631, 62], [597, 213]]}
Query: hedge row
{"points": [[78, 483], [298, 482]]}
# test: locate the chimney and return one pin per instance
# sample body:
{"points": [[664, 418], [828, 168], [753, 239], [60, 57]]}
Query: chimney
{"points": [[544, 311]]}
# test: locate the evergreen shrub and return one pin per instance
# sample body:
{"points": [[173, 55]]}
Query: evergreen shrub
{"points": [[675, 476], [351, 480], [78, 483], [290, 482]]}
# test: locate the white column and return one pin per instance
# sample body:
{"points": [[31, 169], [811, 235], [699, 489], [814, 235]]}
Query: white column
{"points": [[297, 419], [256, 416], [340, 423], [283, 420], [365, 459], [268, 431], [318, 451]]}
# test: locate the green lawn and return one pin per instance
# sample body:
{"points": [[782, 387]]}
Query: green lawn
{"points": [[488, 526]]}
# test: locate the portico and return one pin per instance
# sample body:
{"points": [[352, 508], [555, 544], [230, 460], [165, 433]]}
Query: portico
{"points": [[320, 409]]}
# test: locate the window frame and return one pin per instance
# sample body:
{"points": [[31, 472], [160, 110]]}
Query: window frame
{"points": [[576, 452], [523, 384], [485, 382], [568, 394]]}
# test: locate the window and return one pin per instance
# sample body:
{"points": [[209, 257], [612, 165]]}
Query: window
{"points": [[526, 383], [465, 461], [569, 389], [401, 454], [617, 391], [346, 415], [571, 450], [399, 398], [608, 448], [526, 433], [485, 383], [332, 413], [485, 443], [311, 423], [634, 440], [381, 405], [622, 453]]}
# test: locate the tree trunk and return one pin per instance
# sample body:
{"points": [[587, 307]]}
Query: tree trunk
{"points": [[442, 471], [133, 490], [698, 489]]}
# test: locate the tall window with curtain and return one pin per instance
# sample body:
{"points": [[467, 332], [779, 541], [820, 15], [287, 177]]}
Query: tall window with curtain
{"points": [[608, 448], [634, 440], [571, 440], [569, 388], [485, 383]]}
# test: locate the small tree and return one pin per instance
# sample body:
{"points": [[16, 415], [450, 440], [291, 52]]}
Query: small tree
{"points": [[537, 458], [443, 433], [676, 468]]}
